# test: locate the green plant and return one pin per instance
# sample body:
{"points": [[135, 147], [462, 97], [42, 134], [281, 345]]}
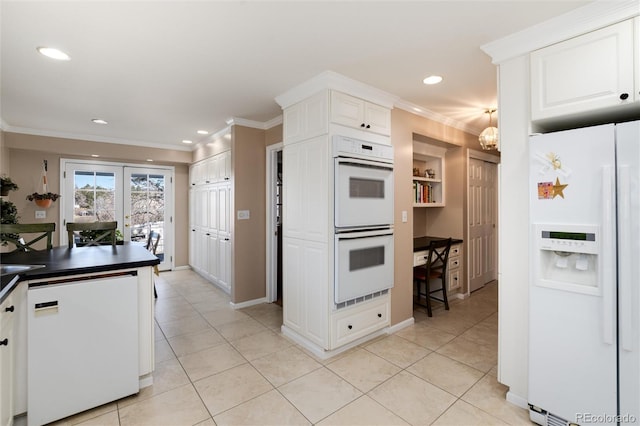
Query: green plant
{"points": [[46, 196], [8, 214], [7, 184]]}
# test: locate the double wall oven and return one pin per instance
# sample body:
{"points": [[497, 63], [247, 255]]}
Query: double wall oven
{"points": [[363, 219]]}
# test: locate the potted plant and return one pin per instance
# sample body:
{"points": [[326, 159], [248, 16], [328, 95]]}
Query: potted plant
{"points": [[6, 185], [8, 215], [43, 200]]}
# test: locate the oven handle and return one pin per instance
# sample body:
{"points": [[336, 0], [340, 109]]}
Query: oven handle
{"points": [[360, 162], [363, 234]]}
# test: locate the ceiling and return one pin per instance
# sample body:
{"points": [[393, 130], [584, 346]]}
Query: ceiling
{"points": [[158, 71]]}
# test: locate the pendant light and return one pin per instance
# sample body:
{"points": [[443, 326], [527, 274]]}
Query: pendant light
{"points": [[489, 136]]}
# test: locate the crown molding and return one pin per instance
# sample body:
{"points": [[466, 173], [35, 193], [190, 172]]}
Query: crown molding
{"points": [[334, 81], [434, 116], [92, 138], [255, 124], [590, 17]]}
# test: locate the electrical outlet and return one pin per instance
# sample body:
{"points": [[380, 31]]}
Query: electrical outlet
{"points": [[41, 214], [244, 214]]}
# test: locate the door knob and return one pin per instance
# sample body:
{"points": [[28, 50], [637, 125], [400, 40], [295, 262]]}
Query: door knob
{"points": [[624, 96]]}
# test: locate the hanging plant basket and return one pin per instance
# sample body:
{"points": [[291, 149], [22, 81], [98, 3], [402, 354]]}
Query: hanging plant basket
{"points": [[45, 204], [43, 200]]}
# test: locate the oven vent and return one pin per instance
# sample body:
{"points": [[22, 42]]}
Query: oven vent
{"points": [[553, 420], [361, 299]]}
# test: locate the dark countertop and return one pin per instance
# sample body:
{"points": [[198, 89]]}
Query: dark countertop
{"points": [[422, 243], [61, 261]]}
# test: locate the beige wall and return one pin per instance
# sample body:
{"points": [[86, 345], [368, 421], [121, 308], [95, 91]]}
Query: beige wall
{"points": [[249, 239], [26, 152], [4, 156], [448, 220], [273, 135]]}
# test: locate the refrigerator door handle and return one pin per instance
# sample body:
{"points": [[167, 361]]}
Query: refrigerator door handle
{"points": [[608, 277], [624, 258]]}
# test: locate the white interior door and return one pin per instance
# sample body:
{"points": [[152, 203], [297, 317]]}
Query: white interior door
{"points": [[482, 223], [148, 196]]}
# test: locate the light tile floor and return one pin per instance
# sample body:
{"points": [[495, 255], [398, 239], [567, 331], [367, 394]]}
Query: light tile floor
{"points": [[220, 366]]}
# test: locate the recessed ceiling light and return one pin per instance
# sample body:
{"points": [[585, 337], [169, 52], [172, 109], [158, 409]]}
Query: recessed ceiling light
{"points": [[186, 141], [150, 160], [99, 121], [95, 155], [203, 132], [52, 53], [432, 79]]}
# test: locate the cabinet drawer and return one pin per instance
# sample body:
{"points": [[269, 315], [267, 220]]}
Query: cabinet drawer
{"points": [[359, 321], [454, 280], [420, 258], [454, 263], [455, 250]]}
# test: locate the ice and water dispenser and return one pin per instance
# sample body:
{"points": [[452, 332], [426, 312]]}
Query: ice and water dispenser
{"points": [[567, 256]]}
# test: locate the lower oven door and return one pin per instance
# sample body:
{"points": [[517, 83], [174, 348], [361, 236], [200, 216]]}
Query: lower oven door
{"points": [[363, 263]]}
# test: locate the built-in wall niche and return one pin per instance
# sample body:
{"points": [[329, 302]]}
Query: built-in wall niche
{"points": [[428, 175]]}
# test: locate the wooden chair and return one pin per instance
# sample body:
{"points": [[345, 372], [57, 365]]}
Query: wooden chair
{"points": [[14, 233], [92, 233], [152, 246], [434, 269]]}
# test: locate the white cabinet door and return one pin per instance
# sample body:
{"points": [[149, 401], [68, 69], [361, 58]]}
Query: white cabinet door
{"points": [[347, 110], [360, 114], [212, 208], [201, 216], [305, 289], [585, 73], [224, 166], [306, 189], [224, 262], [7, 343], [213, 269], [377, 118], [212, 166], [224, 210]]}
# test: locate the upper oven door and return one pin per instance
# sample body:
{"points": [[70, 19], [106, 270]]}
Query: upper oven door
{"points": [[363, 193]]}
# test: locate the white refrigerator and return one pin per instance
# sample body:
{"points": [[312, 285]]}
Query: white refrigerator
{"points": [[584, 296]]}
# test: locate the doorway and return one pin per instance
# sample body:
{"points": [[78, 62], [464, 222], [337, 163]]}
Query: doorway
{"points": [[140, 199], [274, 181], [482, 219]]}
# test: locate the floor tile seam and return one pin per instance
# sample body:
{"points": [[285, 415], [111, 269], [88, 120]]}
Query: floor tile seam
{"points": [[435, 385], [422, 346], [239, 404], [400, 366], [462, 398], [446, 410], [294, 406], [462, 362], [399, 415], [484, 345]]}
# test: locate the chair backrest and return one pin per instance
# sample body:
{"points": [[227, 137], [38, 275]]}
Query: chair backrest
{"points": [[92, 233], [438, 255], [152, 241], [13, 233]]}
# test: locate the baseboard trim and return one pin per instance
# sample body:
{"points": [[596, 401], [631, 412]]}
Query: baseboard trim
{"points": [[326, 354], [179, 268], [403, 324], [146, 380], [517, 400], [248, 303]]}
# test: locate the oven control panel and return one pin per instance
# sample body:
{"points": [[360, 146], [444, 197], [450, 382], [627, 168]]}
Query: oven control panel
{"points": [[351, 147]]}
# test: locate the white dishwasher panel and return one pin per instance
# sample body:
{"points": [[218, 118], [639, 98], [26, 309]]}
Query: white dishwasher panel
{"points": [[82, 344]]}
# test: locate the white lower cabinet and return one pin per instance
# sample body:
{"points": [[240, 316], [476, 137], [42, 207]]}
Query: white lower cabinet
{"points": [[7, 356], [353, 323], [305, 286]]}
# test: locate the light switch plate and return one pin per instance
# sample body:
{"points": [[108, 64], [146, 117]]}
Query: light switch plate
{"points": [[244, 214], [41, 214], [404, 216]]}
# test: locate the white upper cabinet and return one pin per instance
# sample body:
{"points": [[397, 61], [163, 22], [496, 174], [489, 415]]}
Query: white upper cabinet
{"points": [[587, 73], [360, 114]]}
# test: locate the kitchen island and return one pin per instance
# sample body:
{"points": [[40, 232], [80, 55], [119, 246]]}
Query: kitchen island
{"points": [[82, 266]]}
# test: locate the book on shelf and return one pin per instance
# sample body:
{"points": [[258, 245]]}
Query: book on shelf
{"points": [[422, 193]]}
